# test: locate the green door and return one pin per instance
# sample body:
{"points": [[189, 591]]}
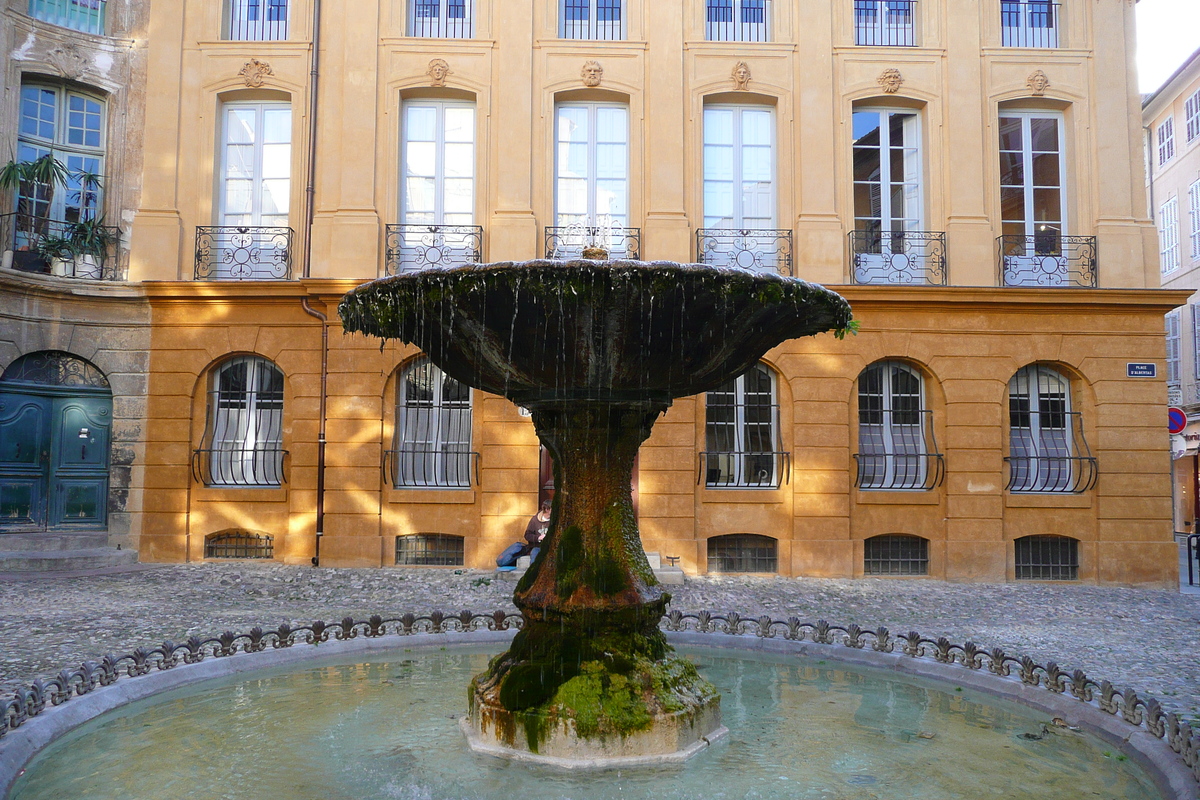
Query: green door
{"points": [[54, 453]]}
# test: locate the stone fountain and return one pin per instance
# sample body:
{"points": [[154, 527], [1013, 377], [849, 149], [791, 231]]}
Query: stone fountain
{"points": [[596, 350]]}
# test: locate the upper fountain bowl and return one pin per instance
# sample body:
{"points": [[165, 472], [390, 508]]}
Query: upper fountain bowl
{"points": [[613, 331]]}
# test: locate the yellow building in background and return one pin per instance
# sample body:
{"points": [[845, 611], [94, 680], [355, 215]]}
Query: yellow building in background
{"points": [[968, 175]]}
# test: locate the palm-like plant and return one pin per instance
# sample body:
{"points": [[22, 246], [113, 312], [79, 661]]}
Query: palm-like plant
{"points": [[29, 178]]}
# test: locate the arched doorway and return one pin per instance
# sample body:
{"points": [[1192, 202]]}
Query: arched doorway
{"points": [[55, 424]]}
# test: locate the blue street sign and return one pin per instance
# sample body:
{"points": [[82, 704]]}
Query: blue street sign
{"points": [[1141, 370]]}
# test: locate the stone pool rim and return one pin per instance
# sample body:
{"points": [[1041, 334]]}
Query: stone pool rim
{"points": [[1166, 768]]}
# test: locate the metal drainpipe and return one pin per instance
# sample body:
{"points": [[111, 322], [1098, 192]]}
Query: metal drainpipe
{"points": [[309, 213]]}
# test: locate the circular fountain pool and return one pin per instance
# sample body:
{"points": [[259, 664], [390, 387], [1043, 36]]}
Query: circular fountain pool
{"points": [[385, 724]]}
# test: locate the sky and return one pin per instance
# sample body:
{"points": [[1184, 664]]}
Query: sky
{"points": [[1168, 31]]}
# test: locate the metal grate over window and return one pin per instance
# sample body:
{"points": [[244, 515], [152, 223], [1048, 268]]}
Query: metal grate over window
{"points": [[1047, 558], [742, 552], [433, 430], [896, 554], [242, 444], [741, 420], [429, 550], [1047, 449], [239, 544]]}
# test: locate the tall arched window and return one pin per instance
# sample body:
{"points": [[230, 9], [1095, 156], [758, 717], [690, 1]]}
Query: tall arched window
{"points": [[69, 125], [1047, 451], [896, 448], [591, 186], [741, 424], [433, 429], [243, 439]]}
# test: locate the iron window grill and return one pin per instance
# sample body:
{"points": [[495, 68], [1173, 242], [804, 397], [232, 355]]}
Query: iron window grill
{"points": [[442, 19], [242, 443], [896, 554], [243, 253], [741, 431], [1047, 449], [742, 552], [768, 249], [737, 20], [1029, 23], [257, 20], [54, 368], [1047, 259], [889, 23], [429, 550], [433, 431], [84, 250], [898, 257], [416, 246], [569, 242], [78, 15], [592, 19], [896, 445], [1047, 558], [239, 544]]}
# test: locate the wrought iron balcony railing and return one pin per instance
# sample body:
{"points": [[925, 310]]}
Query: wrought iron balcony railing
{"points": [[1047, 453], [592, 19], [424, 468], [78, 15], [569, 241], [240, 467], [734, 469], [412, 246], [243, 253], [84, 250], [902, 257], [748, 248], [1029, 23], [737, 20], [1047, 259], [257, 20], [885, 23], [897, 451], [442, 19]]}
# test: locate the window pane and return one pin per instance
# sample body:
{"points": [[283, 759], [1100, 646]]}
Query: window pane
{"points": [[756, 127], [1043, 134], [277, 160], [460, 124], [460, 160], [718, 126], [1011, 134], [277, 125], [421, 124], [240, 125]]}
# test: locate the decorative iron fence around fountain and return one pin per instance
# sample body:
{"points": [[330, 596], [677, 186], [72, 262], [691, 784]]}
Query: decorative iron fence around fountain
{"points": [[1047, 259], [243, 253], [415, 246], [84, 250], [569, 241], [900, 257], [764, 249], [1143, 713]]}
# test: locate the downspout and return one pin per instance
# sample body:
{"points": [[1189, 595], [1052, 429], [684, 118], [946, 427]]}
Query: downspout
{"points": [[1149, 140], [309, 213]]}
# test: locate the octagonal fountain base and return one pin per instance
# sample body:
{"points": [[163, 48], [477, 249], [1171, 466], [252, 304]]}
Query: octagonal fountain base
{"points": [[670, 737]]}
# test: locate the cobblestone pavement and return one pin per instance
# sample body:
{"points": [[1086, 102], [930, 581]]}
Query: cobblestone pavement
{"points": [[1149, 640]]}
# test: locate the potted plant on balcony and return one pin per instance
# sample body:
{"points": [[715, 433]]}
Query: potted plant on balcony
{"points": [[43, 175], [59, 252], [91, 240]]}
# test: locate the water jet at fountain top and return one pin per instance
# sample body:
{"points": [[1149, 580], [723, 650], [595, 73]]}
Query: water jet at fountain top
{"points": [[596, 350]]}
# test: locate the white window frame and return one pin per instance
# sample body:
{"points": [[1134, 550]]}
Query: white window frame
{"points": [[888, 219], [1168, 236], [1194, 219], [245, 431], [257, 178], [737, 29], [593, 216], [903, 444], [1173, 347], [875, 23], [1191, 111], [593, 28], [1196, 349], [441, 25], [738, 181], [1048, 446], [1026, 33], [1031, 227], [439, 458], [732, 463], [441, 157], [1166, 140], [86, 205], [238, 26]]}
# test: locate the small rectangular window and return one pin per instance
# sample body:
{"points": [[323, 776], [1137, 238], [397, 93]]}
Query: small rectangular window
{"points": [[429, 550], [1194, 218], [896, 555], [1166, 141], [737, 20], [1047, 558], [1172, 324], [1168, 236], [1029, 23], [256, 20], [591, 19], [79, 15], [1191, 110]]}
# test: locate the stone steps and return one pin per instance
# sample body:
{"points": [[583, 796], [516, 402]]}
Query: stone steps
{"points": [[83, 540], [75, 551]]}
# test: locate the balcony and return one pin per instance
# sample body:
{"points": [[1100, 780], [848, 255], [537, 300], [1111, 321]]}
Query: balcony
{"points": [[737, 20], [411, 247], [257, 20], [742, 469], [1029, 23], [243, 253], [598, 20], [897, 451], [78, 15], [569, 242], [885, 23], [1047, 259], [427, 468], [1044, 455], [251, 467], [901, 258], [761, 249], [442, 19], [86, 249]]}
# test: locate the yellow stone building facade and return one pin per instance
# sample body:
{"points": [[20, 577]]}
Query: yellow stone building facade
{"points": [[968, 175]]}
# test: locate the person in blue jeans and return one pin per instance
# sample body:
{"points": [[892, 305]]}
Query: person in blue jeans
{"points": [[535, 532]]}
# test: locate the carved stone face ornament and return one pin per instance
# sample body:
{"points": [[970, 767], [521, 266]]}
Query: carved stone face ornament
{"points": [[592, 73], [1037, 83], [437, 72], [741, 76], [890, 80]]}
